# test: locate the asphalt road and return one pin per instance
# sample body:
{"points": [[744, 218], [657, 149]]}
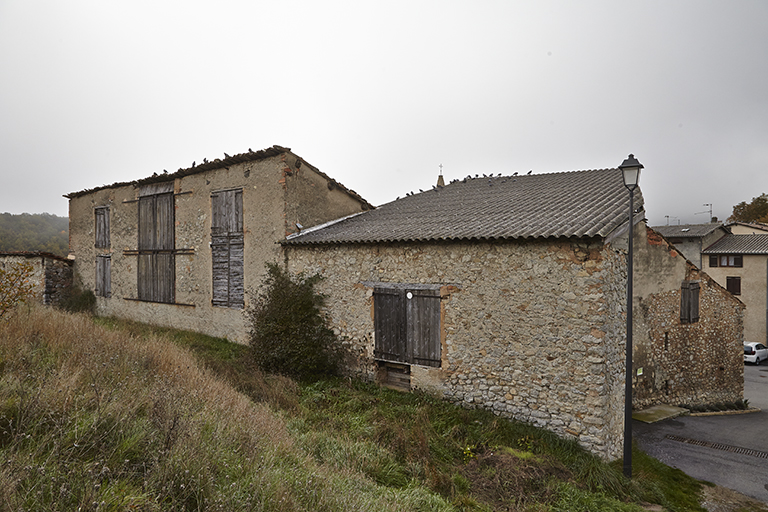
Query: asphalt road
{"points": [[731, 450]]}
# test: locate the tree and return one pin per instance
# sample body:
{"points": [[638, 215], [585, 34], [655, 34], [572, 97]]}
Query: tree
{"points": [[754, 211], [16, 285], [288, 332]]}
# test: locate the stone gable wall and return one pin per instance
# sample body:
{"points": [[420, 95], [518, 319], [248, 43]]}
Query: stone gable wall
{"points": [[530, 330], [683, 363]]}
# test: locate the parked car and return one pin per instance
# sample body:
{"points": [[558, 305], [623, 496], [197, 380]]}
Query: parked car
{"points": [[755, 352]]}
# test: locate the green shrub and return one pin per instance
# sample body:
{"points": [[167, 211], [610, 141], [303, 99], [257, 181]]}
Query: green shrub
{"points": [[78, 300], [288, 332]]}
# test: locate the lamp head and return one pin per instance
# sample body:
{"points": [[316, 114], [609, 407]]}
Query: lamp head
{"points": [[630, 171]]}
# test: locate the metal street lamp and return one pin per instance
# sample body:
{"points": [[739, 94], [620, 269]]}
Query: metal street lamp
{"points": [[630, 169]]}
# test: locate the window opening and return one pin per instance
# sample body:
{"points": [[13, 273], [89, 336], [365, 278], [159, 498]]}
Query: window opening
{"points": [[227, 248], [407, 325], [156, 265]]}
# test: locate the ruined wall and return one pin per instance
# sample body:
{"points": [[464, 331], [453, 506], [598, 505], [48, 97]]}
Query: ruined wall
{"points": [[530, 330], [8, 260], [58, 279], [682, 363], [265, 188]]}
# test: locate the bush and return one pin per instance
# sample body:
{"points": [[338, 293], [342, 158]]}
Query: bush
{"points": [[78, 300], [15, 285], [288, 332]]}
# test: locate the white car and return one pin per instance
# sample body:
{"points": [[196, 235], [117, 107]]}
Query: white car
{"points": [[755, 352]]}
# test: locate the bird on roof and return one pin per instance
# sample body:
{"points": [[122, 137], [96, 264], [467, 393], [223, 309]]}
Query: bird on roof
{"points": [[205, 160], [529, 172], [421, 190], [514, 174], [226, 155], [193, 164]]}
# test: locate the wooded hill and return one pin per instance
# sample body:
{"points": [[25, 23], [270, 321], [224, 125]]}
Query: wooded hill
{"points": [[27, 232]]}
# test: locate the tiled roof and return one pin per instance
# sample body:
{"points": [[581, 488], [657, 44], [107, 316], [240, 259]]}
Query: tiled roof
{"points": [[568, 204], [687, 230], [739, 244], [218, 164]]}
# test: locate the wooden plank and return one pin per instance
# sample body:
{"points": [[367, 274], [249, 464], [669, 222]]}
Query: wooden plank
{"points": [[423, 330], [102, 227]]}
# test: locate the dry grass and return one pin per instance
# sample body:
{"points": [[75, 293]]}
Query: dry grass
{"points": [[99, 419]]}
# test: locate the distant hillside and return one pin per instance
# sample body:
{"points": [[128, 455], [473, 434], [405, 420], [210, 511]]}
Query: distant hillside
{"points": [[34, 232]]}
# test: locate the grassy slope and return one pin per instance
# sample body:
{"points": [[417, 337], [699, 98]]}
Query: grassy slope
{"points": [[122, 416]]}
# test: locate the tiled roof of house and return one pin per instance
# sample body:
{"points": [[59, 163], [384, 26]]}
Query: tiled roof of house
{"points": [[687, 230], [218, 164], [739, 244], [568, 204]]}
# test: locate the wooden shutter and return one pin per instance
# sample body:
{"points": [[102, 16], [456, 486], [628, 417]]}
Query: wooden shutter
{"points": [[102, 227], [156, 263], [407, 325], [733, 285], [103, 276], [227, 251], [389, 324], [689, 302], [423, 313]]}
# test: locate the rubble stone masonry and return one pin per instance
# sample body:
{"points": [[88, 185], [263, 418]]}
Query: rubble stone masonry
{"points": [[532, 330]]}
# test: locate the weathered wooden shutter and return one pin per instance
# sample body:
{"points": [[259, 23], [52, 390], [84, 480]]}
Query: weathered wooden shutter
{"points": [[103, 276], [102, 227], [227, 248], [689, 302], [390, 324], [407, 325], [156, 264], [423, 313], [694, 301]]}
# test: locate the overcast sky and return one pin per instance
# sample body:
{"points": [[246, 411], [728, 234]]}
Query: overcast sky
{"points": [[379, 94]]}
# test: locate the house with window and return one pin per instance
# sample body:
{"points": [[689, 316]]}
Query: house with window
{"points": [[509, 293], [692, 239], [184, 249], [688, 330], [739, 262]]}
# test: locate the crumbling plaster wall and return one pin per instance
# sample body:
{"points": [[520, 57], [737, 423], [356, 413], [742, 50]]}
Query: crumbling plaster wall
{"points": [[530, 330], [682, 363]]}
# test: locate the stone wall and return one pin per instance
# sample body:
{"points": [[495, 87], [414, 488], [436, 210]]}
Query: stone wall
{"points": [[682, 363], [273, 192], [51, 275], [530, 330], [58, 279]]}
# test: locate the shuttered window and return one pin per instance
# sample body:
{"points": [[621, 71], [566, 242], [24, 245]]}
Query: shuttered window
{"points": [[156, 265], [733, 285], [103, 276], [689, 302], [407, 325], [102, 227], [227, 248]]}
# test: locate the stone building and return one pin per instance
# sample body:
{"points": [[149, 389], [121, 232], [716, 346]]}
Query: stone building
{"points": [[51, 274], [692, 239], [184, 249], [503, 292], [688, 330]]}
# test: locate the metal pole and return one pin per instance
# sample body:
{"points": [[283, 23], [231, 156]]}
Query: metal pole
{"points": [[628, 382]]}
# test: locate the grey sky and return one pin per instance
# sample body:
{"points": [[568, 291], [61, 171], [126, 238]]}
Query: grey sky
{"points": [[379, 94]]}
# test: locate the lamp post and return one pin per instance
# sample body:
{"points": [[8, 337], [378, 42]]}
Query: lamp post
{"points": [[630, 169]]}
